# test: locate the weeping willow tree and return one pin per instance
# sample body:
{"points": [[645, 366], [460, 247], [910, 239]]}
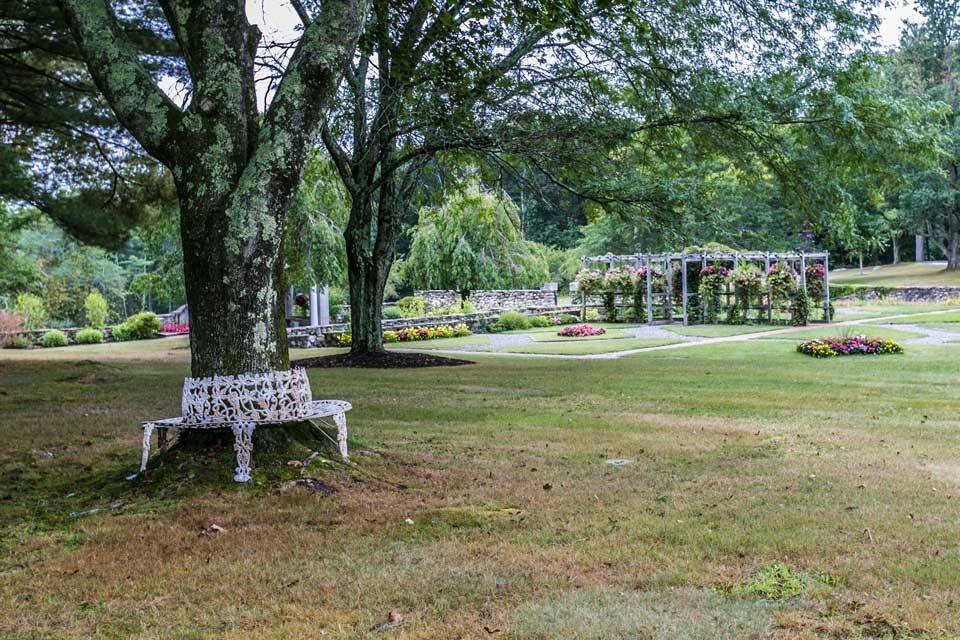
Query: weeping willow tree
{"points": [[473, 241]]}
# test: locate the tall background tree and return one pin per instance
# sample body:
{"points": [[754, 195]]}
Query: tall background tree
{"points": [[473, 240]]}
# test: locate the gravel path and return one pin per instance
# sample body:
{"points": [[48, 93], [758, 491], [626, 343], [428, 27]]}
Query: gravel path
{"points": [[658, 332], [930, 335], [498, 340]]}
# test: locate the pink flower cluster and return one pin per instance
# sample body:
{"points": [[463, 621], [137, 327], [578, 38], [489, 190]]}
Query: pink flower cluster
{"points": [[581, 331], [710, 270], [172, 327], [815, 271]]}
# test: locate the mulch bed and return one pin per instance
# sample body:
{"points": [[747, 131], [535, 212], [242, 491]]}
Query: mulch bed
{"points": [[388, 360]]}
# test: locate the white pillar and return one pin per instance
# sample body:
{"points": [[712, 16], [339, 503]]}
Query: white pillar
{"points": [[288, 306], [325, 306], [314, 317]]}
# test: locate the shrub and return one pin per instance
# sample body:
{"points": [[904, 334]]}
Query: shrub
{"points": [[592, 315], [581, 331], [95, 309], [89, 336], [31, 308], [392, 313], [54, 338], [563, 318], [540, 321], [139, 326], [18, 342], [461, 330], [10, 325], [464, 306], [511, 321], [345, 339], [412, 306]]}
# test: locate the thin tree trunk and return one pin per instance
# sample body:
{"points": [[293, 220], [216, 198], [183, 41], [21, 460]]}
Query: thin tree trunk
{"points": [[366, 281], [896, 250], [860, 258]]}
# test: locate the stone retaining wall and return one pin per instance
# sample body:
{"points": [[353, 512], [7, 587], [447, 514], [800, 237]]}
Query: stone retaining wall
{"points": [[904, 294], [491, 299], [312, 337]]}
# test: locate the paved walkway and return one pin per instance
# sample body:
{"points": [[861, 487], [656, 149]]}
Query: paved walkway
{"points": [[930, 335], [686, 341]]}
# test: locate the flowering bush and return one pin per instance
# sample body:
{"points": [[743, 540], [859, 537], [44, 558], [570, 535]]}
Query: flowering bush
{"points": [[815, 278], [782, 280], [173, 327], [563, 318], [589, 282], [581, 331], [712, 279], [620, 280], [411, 334], [848, 346]]}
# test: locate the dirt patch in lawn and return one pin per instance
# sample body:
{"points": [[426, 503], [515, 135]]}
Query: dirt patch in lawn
{"points": [[387, 360]]}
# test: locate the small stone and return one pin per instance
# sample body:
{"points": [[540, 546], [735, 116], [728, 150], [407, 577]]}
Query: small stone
{"points": [[619, 462], [408, 521]]}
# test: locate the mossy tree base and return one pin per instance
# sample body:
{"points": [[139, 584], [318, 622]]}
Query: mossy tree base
{"points": [[208, 456]]}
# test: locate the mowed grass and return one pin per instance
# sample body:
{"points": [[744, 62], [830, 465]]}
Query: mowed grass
{"points": [[824, 331], [742, 455], [720, 330], [586, 346], [905, 274]]}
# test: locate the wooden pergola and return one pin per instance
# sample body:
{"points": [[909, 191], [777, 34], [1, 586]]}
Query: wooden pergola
{"points": [[666, 261]]}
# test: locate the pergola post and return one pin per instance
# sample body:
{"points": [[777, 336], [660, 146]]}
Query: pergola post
{"points": [[668, 299], [803, 271], [703, 302], [683, 293], [649, 294], [324, 300], [826, 288], [766, 274]]}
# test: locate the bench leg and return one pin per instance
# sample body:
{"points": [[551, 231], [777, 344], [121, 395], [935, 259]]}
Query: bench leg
{"points": [[147, 432], [243, 443], [340, 419]]}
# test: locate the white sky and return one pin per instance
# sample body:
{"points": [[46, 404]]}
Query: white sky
{"points": [[893, 17]]}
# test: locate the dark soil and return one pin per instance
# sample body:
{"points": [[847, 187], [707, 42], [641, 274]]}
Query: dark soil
{"points": [[386, 360]]}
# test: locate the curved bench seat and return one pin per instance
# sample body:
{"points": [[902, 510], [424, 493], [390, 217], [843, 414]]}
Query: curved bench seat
{"points": [[243, 402]]}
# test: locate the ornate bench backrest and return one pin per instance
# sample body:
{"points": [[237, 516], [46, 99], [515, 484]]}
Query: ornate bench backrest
{"points": [[275, 396]]}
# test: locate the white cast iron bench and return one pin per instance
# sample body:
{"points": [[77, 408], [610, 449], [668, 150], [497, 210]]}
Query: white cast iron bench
{"points": [[243, 402]]}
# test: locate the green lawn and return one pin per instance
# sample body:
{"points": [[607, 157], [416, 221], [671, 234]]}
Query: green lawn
{"points": [[906, 274], [586, 346], [855, 310], [933, 318], [745, 457], [858, 329], [719, 330]]}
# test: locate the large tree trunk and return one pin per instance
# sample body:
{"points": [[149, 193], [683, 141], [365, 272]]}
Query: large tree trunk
{"points": [[368, 263], [236, 321], [953, 251], [896, 250]]}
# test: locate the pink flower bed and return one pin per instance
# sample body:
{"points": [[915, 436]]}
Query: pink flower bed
{"points": [[172, 327], [581, 331]]}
